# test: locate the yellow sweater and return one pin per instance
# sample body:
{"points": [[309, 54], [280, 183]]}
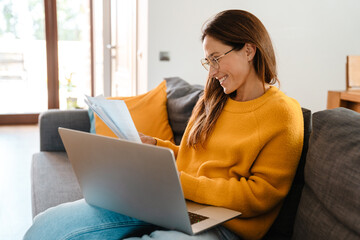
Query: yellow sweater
{"points": [[248, 163]]}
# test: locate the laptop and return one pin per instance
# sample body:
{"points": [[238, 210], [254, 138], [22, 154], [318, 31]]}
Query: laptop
{"points": [[137, 180]]}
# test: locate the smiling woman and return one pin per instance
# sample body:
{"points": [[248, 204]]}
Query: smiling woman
{"points": [[242, 66], [226, 157]]}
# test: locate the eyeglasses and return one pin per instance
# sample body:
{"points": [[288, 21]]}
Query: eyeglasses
{"points": [[212, 62]]}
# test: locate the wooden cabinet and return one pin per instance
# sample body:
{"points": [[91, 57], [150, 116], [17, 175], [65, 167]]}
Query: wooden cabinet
{"points": [[351, 97], [347, 99]]}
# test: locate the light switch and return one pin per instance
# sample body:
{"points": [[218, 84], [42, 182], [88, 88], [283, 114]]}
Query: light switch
{"points": [[164, 56]]}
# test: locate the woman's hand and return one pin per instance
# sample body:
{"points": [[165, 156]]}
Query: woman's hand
{"points": [[147, 139]]}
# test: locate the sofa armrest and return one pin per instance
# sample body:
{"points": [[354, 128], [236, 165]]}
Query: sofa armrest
{"points": [[51, 120]]}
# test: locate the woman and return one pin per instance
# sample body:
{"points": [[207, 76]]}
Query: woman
{"points": [[240, 149]]}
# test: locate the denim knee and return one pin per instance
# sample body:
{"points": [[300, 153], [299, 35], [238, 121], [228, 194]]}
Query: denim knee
{"points": [[79, 220]]}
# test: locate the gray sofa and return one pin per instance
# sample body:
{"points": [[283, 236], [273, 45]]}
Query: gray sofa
{"points": [[323, 203]]}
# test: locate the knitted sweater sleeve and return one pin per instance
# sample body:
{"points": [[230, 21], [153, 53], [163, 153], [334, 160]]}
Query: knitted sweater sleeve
{"points": [[168, 144]]}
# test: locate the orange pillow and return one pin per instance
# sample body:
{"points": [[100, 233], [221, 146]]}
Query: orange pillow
{"points": [[149, 113]]}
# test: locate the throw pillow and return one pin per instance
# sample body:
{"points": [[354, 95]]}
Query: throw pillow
{"points": [[149, 113], [181, 99]]}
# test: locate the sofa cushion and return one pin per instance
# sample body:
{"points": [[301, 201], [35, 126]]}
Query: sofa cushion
{"points": [[330, 202], [53, 181], [181, 99]]}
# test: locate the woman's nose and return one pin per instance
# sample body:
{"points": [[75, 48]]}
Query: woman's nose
{"points": [[212, 71]]}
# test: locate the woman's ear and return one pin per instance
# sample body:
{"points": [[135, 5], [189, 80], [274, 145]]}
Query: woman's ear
{"points": [[250, 51]]}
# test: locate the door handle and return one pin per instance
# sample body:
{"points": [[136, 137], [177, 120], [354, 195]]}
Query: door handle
{"points": [[109, 46]]}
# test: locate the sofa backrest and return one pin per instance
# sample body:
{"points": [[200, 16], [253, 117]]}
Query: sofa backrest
{"points": [[51, 120], [330, 202], [182, 98]]}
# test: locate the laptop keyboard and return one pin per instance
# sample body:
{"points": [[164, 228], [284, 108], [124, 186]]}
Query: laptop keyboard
{"points": [[195, 218]]}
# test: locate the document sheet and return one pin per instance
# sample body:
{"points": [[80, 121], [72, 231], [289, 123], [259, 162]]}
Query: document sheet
{"points": [[115, 114]]}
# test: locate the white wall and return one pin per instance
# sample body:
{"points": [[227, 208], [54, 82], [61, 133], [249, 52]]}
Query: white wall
{"points": [[311, 40]]}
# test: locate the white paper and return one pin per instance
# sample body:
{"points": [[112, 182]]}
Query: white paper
{"points": [[115, 114]]}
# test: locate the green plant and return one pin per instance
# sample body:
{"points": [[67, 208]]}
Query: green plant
{"points": [[69, 84]]}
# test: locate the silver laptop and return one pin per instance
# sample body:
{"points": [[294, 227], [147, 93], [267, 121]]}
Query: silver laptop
{"points": [[137, 180]]}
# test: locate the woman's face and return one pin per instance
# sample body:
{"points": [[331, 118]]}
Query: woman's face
{"points": [[235, 71]]}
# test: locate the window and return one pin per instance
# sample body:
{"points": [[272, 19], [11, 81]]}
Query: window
{"points": [[74, 47], [23, 87]]}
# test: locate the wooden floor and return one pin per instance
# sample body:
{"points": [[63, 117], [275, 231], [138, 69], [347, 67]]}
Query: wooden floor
{"points": [[17, 144]]}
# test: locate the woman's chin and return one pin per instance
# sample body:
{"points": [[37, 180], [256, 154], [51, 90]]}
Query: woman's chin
{"points": [[226, 90]]}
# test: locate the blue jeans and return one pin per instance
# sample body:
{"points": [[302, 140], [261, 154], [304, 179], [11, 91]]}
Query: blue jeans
{"points": [[79, 220]]}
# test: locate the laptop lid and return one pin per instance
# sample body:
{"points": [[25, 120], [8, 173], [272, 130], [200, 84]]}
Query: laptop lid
{"points": [[137, 180]]}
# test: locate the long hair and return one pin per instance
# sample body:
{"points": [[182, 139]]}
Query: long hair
{"points": [[233, 28]]}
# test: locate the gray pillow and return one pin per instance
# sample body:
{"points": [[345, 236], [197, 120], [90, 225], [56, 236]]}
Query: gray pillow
{"points": [[330, 202], [181, 99]]}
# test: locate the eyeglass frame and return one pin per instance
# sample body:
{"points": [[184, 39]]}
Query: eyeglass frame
{"points": [[209, 62]]}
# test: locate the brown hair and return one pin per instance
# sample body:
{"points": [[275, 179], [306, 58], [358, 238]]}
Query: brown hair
{"points": [[233, 28]]}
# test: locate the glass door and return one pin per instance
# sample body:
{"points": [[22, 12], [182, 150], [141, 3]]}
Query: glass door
{"points": [[123, 47], [115, 43], [23, 76], [118, 47], [54, 65], [74, 51], [43, 65]]}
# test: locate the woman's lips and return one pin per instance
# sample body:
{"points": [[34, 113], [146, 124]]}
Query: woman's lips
{"points": [[222, 79]]}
